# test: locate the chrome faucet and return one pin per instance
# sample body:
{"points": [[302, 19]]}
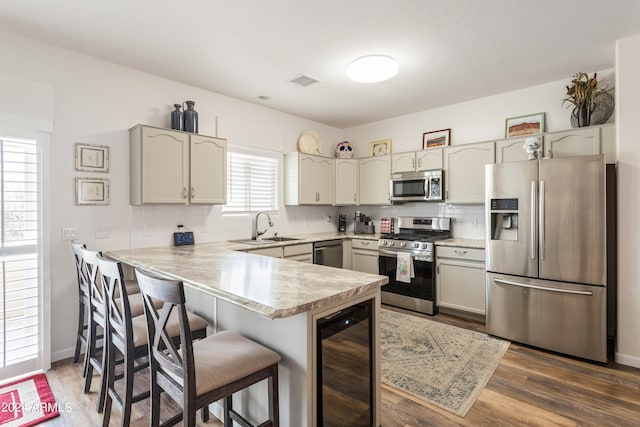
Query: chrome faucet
{"points": [[255, 233]]}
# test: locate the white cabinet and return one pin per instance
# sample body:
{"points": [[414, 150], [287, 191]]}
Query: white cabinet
{"points": [[373, 180], [174, 167], [582, 142], [511, 150], [460, 279], [308, 179], [416, 161], [274, 252], [364, 255], [464, 171], [403, 162], [302, 252], [429, 159], [346, 182]]}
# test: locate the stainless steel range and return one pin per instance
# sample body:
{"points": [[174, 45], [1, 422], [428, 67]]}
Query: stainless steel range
{"points": [[413, 243]]}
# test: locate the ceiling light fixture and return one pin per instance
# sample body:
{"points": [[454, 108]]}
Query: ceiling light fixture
{"points": [[372, 69]]}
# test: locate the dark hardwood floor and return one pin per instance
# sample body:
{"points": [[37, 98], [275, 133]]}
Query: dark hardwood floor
{"points": [[530, 387]]}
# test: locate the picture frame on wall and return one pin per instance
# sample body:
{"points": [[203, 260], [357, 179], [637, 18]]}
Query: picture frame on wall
{"points": [[436, 138], [380, 148], [92, 158], [92, 191], [529, 124]]}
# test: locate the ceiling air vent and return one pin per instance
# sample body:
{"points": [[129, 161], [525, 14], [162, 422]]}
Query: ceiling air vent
{"points": [[304, 80]]}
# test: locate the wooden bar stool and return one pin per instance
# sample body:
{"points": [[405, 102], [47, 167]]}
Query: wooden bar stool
{"points": [[95, 355], [83, 301], [200, 373], [127, 335]]}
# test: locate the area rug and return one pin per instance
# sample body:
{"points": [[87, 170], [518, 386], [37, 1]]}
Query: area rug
{"points": [[442, 364], [27, 402]]}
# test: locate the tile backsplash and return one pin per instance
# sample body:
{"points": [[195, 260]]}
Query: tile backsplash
{"points": [[467, 221]]}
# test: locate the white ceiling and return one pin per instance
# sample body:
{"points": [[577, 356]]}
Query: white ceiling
{"points": [[449, 50]]}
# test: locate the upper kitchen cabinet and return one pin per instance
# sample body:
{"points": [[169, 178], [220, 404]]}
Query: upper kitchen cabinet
{"points": [[582, 142], [464, 171], [346, 182], [174, 167], [308, 179], [511, 150], [373, 180], [416, 161]]}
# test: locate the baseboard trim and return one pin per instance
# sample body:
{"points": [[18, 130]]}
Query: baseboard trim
{"points": [[625, 359], [63, 354]]}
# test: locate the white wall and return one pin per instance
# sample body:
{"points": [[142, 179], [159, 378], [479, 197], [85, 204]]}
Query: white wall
{"points": [[95, 102], [627, 113]]}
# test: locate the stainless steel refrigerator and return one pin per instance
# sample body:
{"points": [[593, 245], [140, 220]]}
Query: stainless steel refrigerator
{"points": [[546, 254]]}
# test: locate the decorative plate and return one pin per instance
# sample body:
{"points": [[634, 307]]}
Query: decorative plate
{"points": [[309, 143]]}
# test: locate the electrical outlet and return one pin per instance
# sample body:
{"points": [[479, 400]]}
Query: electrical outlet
{"points": [[69, 233], [328, 219], [474, 224]]}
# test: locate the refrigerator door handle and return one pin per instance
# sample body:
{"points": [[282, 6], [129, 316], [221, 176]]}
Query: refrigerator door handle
{"points": [[541, 219], [543, 288], [533, 222]]}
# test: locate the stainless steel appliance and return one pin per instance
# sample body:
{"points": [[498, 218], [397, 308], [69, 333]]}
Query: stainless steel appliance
{"points": [[342, 223], [425, 186], [345, 367], [546, 254], [415, 236], [328, 252], [362, 224]]}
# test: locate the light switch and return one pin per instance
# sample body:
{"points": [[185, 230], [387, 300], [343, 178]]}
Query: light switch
{"points": [[69, 233], [103, 231]]}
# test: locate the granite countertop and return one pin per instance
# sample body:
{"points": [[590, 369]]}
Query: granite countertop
{"points": [[271, 287], [463, 243], [300, 239]]}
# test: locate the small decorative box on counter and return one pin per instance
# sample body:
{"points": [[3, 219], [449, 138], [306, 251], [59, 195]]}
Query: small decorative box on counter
{"points": [[386, 225]]}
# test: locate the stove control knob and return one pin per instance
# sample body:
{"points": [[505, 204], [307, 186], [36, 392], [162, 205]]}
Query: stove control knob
{"points": [[416, 245], [383, 242], [424, 246], [403, 244], [390, 243]]}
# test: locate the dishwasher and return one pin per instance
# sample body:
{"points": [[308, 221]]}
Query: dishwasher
{"points": [[328, 252]]}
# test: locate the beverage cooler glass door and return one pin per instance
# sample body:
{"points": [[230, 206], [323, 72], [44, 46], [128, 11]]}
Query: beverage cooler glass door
{"points": [[572, 220], [511, 218]]}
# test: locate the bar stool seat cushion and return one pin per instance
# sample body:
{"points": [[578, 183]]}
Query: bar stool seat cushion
{"points": [[225, 357], [139, 326]]}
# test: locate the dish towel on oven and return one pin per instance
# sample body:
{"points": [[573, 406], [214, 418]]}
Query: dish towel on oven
{"points": [[404, 269]]}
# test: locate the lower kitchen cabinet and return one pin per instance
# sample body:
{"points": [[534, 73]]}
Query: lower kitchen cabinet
{"points": [[460, 279], [302, 252], [364, 255]]}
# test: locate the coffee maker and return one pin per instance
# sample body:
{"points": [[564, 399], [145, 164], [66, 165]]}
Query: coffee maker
{"points": [[342, 223], [362, 224]]}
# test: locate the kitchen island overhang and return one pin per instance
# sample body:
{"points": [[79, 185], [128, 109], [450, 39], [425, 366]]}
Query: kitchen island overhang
{"points": [[273, 301]]}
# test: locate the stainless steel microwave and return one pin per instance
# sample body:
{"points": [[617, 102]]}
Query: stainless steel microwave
{"points": [[425, 186]]}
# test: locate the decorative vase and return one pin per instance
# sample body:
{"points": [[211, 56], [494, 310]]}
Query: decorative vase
{"points": [[176, 117], [602, 111], [190, 118]]}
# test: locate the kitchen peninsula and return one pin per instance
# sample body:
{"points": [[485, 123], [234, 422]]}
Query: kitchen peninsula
{"points": [[275, 302]]}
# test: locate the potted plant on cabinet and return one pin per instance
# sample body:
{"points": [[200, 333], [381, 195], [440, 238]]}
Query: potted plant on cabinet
{"points": [[593, 105]]}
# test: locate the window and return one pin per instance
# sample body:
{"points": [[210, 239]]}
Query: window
{"points": [[20, 319], [252, 181]]}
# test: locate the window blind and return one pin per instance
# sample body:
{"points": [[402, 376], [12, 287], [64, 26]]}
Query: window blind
{"points": [[252, 183], [19, 264]]}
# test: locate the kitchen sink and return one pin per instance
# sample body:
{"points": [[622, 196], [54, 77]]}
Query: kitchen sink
{"points": [[262, 241]]}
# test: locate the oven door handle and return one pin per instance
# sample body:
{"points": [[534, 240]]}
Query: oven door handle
{"points": [[395, 255]]}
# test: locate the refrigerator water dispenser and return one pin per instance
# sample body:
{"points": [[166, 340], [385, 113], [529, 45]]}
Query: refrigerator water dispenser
{"points": [[504, 219]]}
